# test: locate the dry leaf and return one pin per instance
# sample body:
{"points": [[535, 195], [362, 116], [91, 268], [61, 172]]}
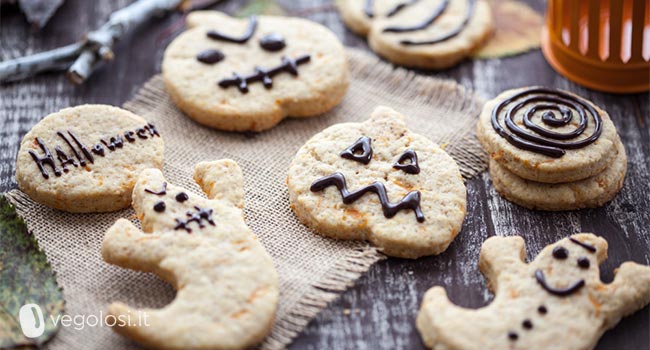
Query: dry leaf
{"points": [[517, 29]]}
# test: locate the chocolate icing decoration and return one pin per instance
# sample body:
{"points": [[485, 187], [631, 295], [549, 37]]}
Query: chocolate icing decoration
{"points": [[98, 149], [399, 7], [363, 145], [583, 262], [368, 8], [47, 159], [272, 42], [513, 336], [541, 140], [83, 148], [182, 197], [527, 324], [128, 135], [113, 142], [252, 25], [561, 292], [584, 245], [82, 162], [159, 207], [542, 310], [198, 217], [411, 168], [411, 201], [142, 133], [162, 192], [288, 65], [471, 5], [560, 253], [422, 25], [210, 56], [64, 159]]}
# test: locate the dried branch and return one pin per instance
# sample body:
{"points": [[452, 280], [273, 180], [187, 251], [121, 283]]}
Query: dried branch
{"points": [[82, 58]]}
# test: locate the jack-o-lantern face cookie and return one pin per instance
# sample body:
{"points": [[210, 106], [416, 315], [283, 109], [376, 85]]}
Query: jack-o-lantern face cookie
{"points": [[428, 34], [87, 158], [556, 301], [380, 182], [227, 287], [248, 74]]}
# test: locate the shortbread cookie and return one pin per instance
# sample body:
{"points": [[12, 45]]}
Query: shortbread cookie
{"points": [[591, 192], [380, 182], [428, 34], [248, 74], [87, 158], [547, 135], [227, 287], [555, 302]]}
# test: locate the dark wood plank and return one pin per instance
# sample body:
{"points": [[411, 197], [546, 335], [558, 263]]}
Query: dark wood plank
{"points": [[379, 312]]}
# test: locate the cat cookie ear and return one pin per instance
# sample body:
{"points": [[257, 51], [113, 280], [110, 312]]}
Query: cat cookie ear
{"points": [[222, 180]]}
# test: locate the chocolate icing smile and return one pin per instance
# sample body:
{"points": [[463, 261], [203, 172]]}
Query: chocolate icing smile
{"points": [[410, 201], [562, 292], [288, 65]]}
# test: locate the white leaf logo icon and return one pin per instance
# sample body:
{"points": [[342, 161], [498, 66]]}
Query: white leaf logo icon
{"points": [[31, 320]]}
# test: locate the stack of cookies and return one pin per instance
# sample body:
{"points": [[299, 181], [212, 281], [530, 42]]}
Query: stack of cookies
{"points": [[551, 150]]}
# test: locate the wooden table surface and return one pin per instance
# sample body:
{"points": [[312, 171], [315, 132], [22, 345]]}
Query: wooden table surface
{"points": [[379, 311]]}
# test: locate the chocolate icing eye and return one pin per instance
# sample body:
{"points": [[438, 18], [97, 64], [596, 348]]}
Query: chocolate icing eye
{"points": [[360, 151], [560, 253], [272, 42], [182, 197], [159, 207], [583, 262], [412, 167], [210, 56]]}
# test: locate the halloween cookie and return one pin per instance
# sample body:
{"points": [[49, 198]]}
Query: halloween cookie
{"points": [[380, 182], [87, 158], [547, 135], [227, 287], [248, 74], [428, 34], [555, 302], [591, 192]]}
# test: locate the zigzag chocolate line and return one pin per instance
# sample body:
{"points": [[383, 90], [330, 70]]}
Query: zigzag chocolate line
{"points": [[410, 201]]}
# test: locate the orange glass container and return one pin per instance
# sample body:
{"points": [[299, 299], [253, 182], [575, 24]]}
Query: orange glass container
{"points": [[601, 44]]}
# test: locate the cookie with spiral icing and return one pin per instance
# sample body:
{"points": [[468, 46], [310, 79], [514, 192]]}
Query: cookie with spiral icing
{"points": [[427, 34], [380, 182], [547, 135]]}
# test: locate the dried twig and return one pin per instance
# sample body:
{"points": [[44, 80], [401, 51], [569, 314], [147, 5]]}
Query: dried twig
{"points": [[82, 58]]}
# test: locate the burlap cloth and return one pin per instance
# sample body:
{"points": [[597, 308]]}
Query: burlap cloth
{"points": [[313, 270]]}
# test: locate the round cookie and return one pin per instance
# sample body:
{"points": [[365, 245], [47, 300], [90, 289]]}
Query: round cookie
{"points": [[248, 74], [588, 193], [551, 148], [380, 182], [427, 34], [87, 158]]}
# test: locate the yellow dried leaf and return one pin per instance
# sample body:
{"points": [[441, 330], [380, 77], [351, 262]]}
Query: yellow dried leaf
{"points": [[517, 29]]}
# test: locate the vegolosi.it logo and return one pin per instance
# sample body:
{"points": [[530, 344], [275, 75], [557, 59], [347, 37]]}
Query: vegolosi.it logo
{"points": [[31, 320]]}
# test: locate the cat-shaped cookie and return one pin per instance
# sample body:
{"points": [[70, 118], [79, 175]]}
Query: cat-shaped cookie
{"points": [[247, 74], [557, 301], [227, 286]]}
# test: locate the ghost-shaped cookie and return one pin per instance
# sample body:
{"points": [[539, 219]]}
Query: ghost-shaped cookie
{"points": [[556, 301], [427, 34], [227, 286], [248, 74], [380, 182]]}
